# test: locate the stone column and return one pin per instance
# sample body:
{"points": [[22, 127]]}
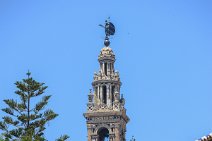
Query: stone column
{"points": [[113, 67], [89, 133], [108, 68], [98, 91], [117, 89], [101, 96], [103, 68], [117, 135], [97, 95]]}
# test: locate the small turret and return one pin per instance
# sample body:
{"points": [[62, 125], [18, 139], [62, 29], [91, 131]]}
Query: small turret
{"points": [[90, 97]]}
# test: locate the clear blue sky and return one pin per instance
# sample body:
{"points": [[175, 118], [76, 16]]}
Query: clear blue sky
{"points": [[163, 50]]}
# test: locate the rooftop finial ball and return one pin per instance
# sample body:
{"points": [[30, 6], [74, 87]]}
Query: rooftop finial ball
{"points": [[107, 43]]}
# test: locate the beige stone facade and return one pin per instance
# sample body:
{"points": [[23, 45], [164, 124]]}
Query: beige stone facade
{"points": [[106, 117]]}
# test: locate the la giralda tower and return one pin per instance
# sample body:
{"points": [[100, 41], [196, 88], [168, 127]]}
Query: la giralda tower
{"points": [[106, 117]]}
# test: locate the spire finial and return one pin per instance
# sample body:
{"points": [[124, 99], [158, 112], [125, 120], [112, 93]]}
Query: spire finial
{"points": [[28, 73], [109, 30]]}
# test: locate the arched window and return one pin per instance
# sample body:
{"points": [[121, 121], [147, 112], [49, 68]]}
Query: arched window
{"points": [[103, 134], [104, 94]]}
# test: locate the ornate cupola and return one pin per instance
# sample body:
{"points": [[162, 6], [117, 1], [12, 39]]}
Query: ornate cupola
{"points": [[106, 115]]}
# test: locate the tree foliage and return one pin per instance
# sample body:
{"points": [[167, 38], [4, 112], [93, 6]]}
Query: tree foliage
{"points": [[26, 119], [1, 139]]}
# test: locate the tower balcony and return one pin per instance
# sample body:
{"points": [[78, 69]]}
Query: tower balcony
{"points": [[105, 108]]}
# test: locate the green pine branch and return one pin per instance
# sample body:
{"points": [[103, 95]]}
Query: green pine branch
{"points": [[63, 138], [26, 121]]}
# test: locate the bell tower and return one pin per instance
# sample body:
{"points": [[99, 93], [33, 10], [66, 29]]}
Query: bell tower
{"points": [[106, 117]]}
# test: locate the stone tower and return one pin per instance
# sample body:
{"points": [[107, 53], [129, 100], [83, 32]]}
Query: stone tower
{"points": [[106, 117]]}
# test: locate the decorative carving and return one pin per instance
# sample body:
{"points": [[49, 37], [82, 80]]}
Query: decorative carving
{"points": [[104, 107], [111, 77]]}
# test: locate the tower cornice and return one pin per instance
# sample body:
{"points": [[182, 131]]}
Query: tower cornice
{"points": [[105, 81], [113, 116]]}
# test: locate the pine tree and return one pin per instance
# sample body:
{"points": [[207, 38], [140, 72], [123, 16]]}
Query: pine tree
{"points": [[25, 120]]}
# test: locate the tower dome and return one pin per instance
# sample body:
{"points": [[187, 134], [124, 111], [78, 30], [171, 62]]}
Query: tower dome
{"points": [[106, 53]]}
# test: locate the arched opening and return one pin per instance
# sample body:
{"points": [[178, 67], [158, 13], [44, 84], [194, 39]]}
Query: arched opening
{"points": [[103, 134], [106, 69], [96, 91], [104, 94], [113, 92]]}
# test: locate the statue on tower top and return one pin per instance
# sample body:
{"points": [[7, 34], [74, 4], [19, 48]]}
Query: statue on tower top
{"points": [[109, 30]]}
